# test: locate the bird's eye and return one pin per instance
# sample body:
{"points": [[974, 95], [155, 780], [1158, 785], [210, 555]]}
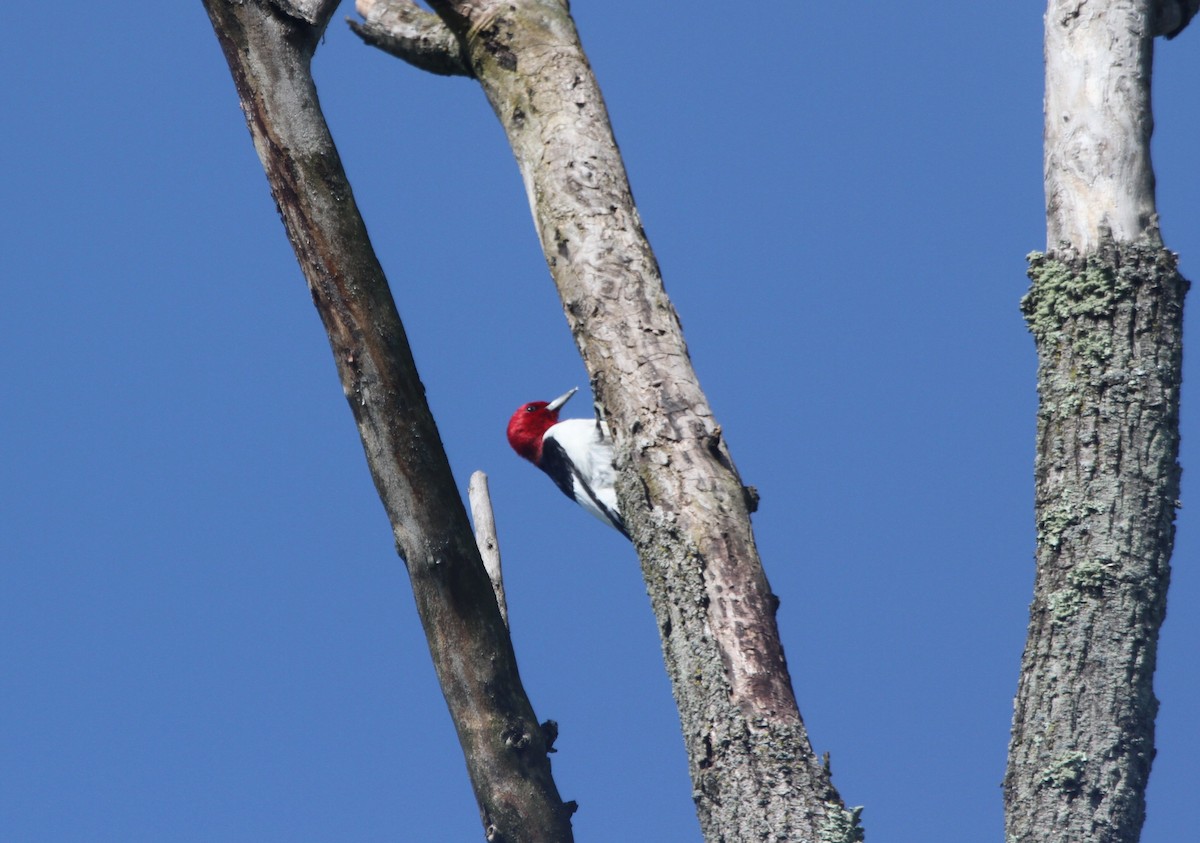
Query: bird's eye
{"points": [[531, 408]]}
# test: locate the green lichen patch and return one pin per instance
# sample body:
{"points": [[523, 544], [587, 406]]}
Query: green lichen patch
{"points": [[1064, 604], [1066, 773], [1065, 290], [1059, 404], [1093, 575], [1072, 296], [1088, 578], [1055, 520], [1093, 345], [841, 825]]}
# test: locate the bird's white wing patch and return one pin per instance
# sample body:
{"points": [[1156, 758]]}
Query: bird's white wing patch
{"points": [[591, 456]]}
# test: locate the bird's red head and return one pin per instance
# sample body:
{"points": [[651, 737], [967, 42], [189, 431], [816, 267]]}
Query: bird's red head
{"points": [[529, 424]]}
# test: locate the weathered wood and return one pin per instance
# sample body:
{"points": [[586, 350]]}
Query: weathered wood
{"points": [[1106, 312], [1099, 181], [754, 774], [269, 55], [485, 536], [419, 37]]}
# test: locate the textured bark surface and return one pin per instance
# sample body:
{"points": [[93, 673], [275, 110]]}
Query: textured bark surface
{"points": [[754, 773], [1106, 312], [407, 30], [1108, 330], [268, 53]]}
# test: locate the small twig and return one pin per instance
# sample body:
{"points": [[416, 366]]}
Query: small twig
{"points": [[485, 536]]}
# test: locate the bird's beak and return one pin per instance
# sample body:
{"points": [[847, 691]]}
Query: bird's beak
{"points": [[554, 405]]}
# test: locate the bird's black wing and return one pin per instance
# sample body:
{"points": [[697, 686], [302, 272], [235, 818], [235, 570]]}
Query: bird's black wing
{"points": [[566, 477]]}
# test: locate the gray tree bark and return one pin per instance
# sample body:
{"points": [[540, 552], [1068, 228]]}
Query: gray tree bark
{"points": [[1105, 310], [269, 47], [754, 774]]}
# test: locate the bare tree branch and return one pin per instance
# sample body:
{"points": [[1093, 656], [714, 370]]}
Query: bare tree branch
{"points": [[485, 536], [269, 55], [410, 33], [1097, 188], [755, 776], [1106, 312]]}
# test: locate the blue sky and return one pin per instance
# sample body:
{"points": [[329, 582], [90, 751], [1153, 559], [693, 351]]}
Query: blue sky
{"points": [[206, 633]]}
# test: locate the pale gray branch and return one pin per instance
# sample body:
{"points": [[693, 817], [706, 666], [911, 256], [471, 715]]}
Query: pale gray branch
{"points": [[1099, 180], [408, 32], [485, 536]]}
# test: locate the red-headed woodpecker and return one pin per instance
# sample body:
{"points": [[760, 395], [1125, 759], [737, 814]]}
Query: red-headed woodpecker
{"points": [[576, 453]]}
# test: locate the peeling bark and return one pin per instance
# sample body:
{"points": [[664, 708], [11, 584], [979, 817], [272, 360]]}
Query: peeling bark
{"points": [[754, 774], [269, 52], [1106, 312]]}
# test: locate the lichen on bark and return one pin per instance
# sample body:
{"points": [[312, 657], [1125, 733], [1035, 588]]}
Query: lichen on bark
{"points": [[1061, 291], [1108, 330]]}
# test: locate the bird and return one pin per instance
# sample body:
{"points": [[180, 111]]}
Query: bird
{"points": [[576, 453]]}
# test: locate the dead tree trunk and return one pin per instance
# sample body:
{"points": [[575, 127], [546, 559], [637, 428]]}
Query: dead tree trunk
{"points": [[754, 773], [269, 46], [1105, 310]]}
